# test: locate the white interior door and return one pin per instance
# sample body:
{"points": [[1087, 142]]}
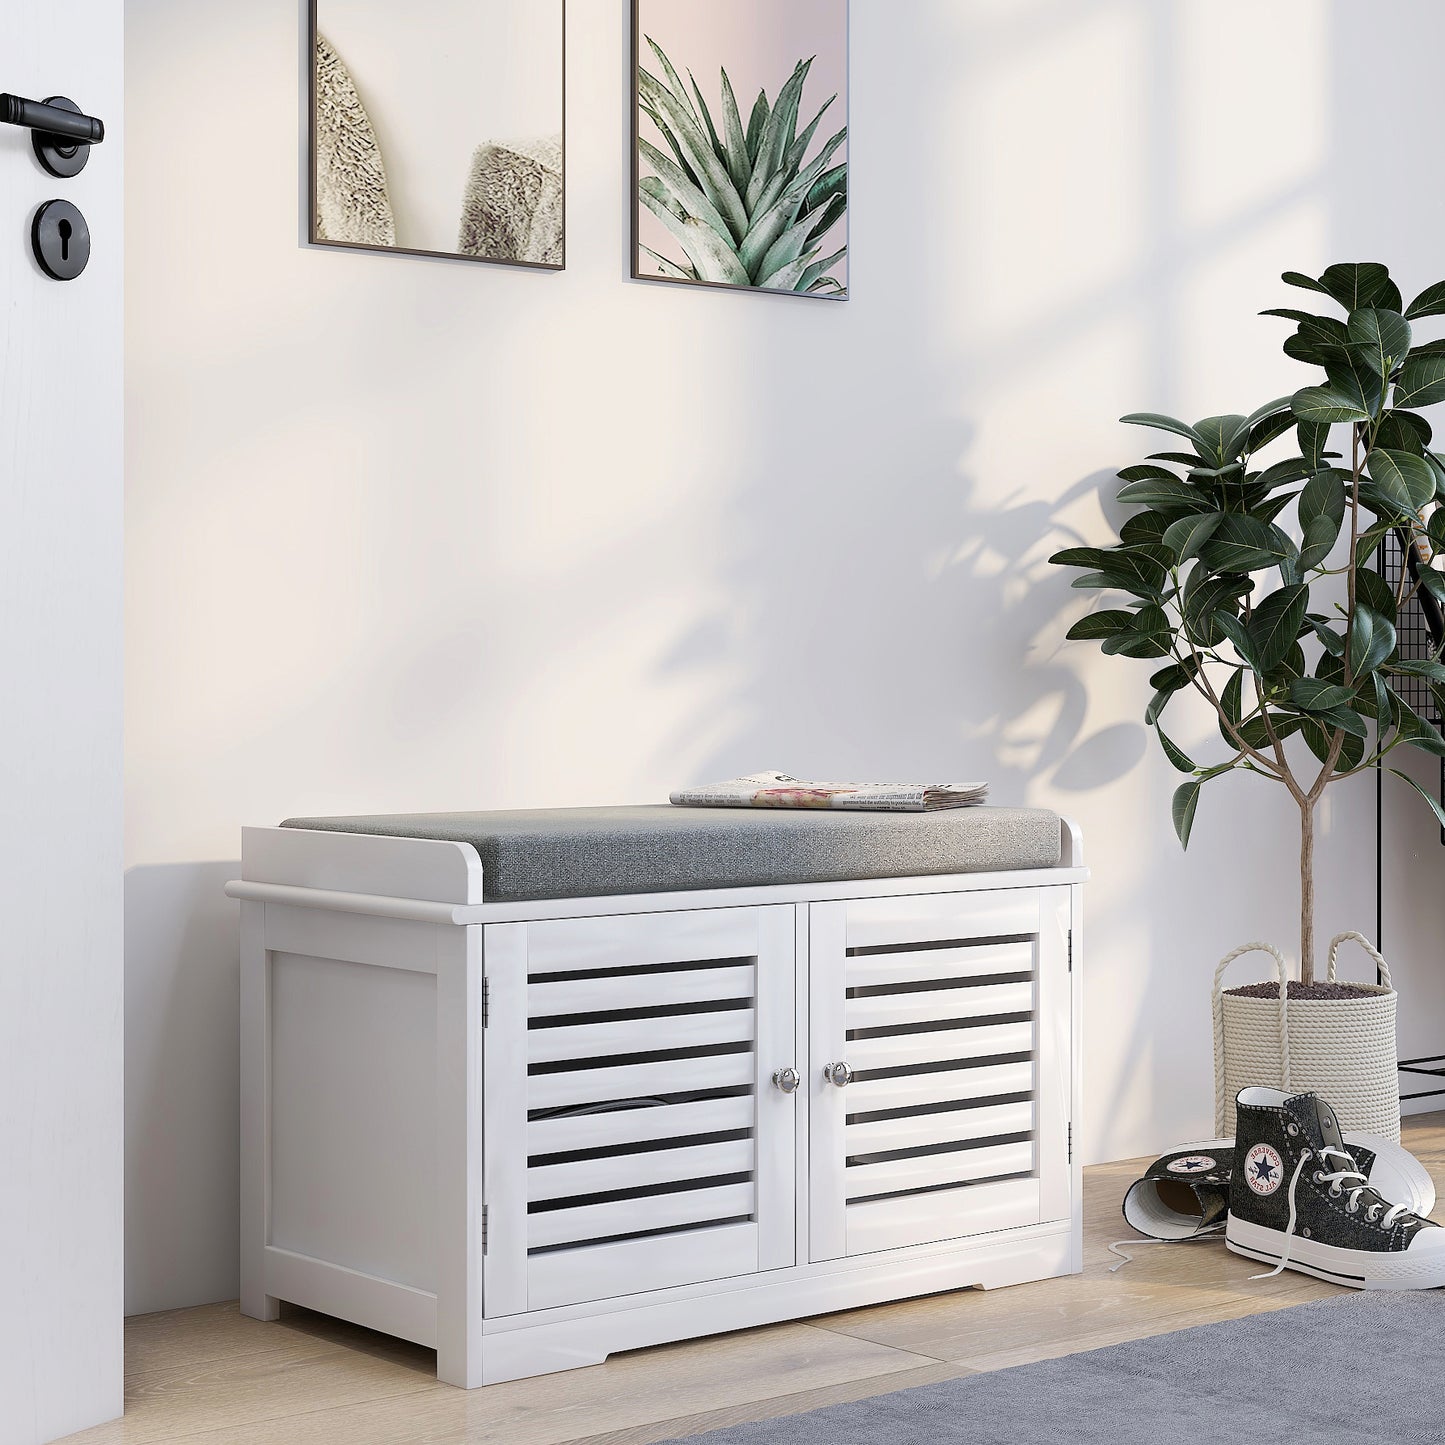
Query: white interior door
{"points": [[60, 738], [635, 1139], [943, 1022]]}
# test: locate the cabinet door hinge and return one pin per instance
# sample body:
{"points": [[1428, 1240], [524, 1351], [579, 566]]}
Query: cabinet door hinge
{"points": [[1071, 950], [484, 1229], [1071, 1141], [486, 1001]]}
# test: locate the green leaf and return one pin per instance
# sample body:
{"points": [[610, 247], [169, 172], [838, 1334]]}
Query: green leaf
{"points": [[1291, 469], [740, 167], [1422, 381], [1099, 625], [1404, 431], [1402, 474], [1186, 800], [692, 201], [1320, 536], [674, 81], [1372, 640], [1174, 753], [1384, 337], [1166, 682], [1307, 283], [1428, 797], [776, 132], [1186, 536], [1320, 739], [1141, 570], [1222, 438], [756, 123], [1265, 430], [1238, 634], [1322, 404], [1430, 302], [1147, 636], [1358, 283], [1145, 528], [1313, 439], [712, 257], [1435, 529], [1246, 544], [1353, 377], [1275, 624], [1375, 593], [710, 171], [1312, 695], [1176, 494], [1324, 497], [1416, 731], [1420, 667], [671, 268], [1162, 423]]}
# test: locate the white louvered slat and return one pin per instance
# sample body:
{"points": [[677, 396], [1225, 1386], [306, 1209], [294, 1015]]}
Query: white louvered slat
{"points": [[633, 1171], [640, 1036], [639, 1081], [938, 1005], [602, 993], [921, 965], [896, 1050], [635, 1126], [905, 1091], [939, 1128], [956, 1166], [639, 1216]]}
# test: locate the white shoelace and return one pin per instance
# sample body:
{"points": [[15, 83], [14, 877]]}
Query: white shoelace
{"points": [[1118, 1246], [1336, 1181]]}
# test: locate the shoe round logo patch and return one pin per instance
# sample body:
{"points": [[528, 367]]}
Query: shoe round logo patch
{"points": [[1263, 1169], [1191, 1164]]}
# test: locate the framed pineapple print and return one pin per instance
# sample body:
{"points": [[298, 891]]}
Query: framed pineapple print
{"points": [[740, 144], [438, 128]]}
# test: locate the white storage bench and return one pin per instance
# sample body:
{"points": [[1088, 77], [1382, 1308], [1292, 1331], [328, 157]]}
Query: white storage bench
{"points": [[532, 1088]]}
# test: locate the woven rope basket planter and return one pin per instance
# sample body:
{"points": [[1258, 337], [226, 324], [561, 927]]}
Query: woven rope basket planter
{"points": [[1342, 1049]]}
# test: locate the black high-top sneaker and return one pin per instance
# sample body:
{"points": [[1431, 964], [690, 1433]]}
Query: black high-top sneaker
{"points": [[1185, 1193], [1298, 1200]]}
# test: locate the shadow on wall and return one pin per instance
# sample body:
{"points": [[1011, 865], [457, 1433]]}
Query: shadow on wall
{"points": [[182, 1061]]}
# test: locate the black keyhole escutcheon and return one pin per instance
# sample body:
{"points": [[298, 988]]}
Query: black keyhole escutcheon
{"points": [[61, 240]]}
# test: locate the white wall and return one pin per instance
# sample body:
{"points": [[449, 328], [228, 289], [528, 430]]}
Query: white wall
{"points": [[410, 535], [60, 741]]}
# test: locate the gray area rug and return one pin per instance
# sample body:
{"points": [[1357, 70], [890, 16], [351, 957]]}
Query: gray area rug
{"points": [[1364, 1367]]}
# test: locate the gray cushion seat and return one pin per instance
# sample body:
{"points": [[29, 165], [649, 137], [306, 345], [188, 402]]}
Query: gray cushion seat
{"points": [[597, 852]]}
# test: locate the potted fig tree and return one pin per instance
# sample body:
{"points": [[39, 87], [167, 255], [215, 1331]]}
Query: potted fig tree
{"points": [[1250, 584]]}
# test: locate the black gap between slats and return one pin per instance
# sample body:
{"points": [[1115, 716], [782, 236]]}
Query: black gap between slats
{"points": [[948, 1146], [639, 1191], [637, 1146], [942, 1066], [631, 970], [949, 1106], [641, 1234], [933, 985], [649, 1011], [932, 944], [617, 1106], [936, 1188], [659, 1056], [937, 1026]]}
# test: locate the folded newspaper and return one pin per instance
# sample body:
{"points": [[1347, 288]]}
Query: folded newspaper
{"points": [[778, 790]]}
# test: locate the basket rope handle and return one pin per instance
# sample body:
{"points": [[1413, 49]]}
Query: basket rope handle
{"points": [[1283, 971], [1369, 948]]}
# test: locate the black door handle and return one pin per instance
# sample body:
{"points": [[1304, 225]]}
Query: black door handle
{"points": [[61, 135]]}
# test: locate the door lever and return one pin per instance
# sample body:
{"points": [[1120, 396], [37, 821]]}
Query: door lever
{"points": [[61, 134]]}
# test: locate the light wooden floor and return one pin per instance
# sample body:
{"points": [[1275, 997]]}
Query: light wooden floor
{"points": [[210, 1377]]}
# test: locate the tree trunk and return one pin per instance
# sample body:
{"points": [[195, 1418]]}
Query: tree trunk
{"points": [[1307, 892]]}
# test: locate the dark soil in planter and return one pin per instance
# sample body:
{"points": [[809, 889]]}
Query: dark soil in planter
{"points": [[1303, 990]]}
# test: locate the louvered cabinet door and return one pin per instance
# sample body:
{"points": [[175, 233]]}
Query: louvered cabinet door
{"points": [[635, 1139], [943, 1023]]}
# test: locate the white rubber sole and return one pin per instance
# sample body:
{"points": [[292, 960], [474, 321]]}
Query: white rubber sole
{"points": [[1357, 1269]]}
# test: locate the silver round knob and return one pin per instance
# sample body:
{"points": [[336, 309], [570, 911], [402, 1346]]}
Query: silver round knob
{"points": [[839, 1074], [787, 1080]]}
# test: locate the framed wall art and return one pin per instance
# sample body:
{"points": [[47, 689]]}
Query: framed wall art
{"points": [[740, 144], [437, 128]]}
